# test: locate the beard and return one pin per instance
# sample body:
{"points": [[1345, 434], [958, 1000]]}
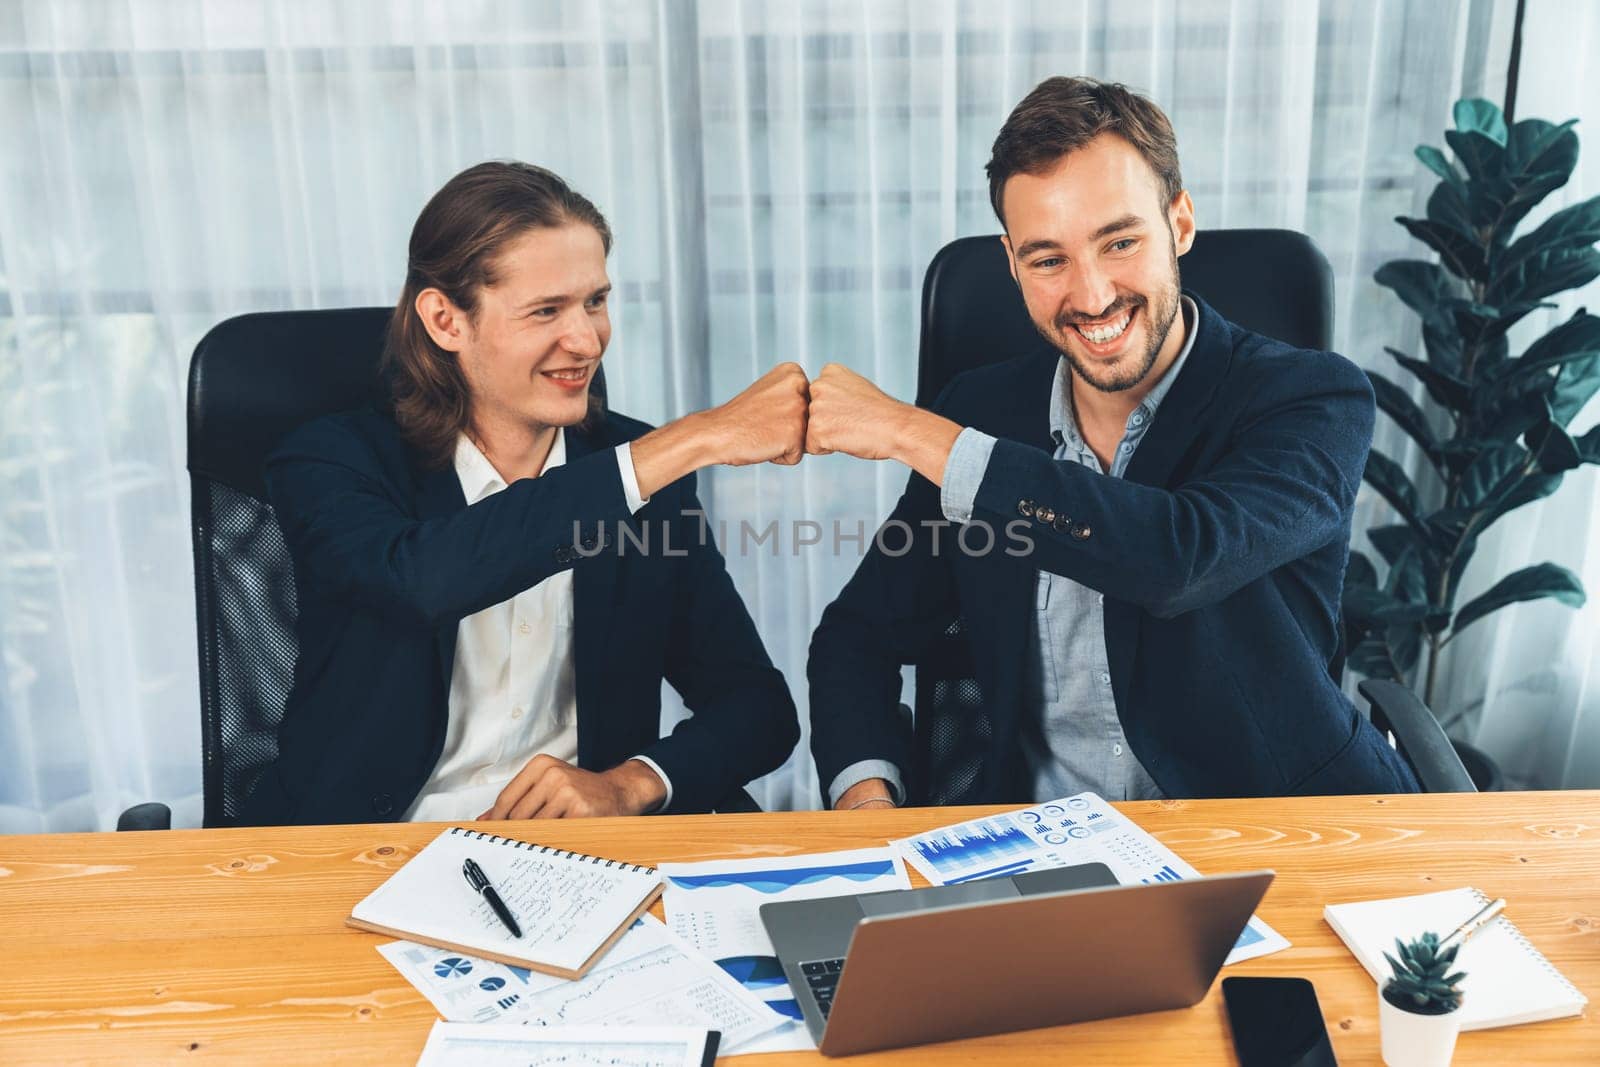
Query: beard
{"points": [[1134, 365]]}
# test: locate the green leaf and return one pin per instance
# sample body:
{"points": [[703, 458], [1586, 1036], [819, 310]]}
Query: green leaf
{"points": [[1418, 282], [1447, 390], [1547, 272], [1461, 257], [1447, 206], [1553, 447], [1530, 583], [1393, 540], [1539, 159], [1475, 113], [1577, 338], [1407, 586], [1572, 229], [1398, 405], [1534, 487], [1488, 475], [1578, 381], [1589, 446], [1436, 161], [1525, 407], [1481, 157], [1360, 573], [1391, 482]]}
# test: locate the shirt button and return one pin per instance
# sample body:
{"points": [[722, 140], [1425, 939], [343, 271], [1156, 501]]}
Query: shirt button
{"points": [[1081, 531], [1105, 677], [1045, 515], [1025, 508], [1102, 598], [522, 625], [516, 713], [1116, 750]]}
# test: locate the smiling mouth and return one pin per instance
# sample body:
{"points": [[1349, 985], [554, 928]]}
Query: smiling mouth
{"points": [[571, 374], [1106, 331]]}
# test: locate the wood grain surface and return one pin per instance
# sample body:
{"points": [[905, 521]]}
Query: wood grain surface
{"points": [[230, 945]]}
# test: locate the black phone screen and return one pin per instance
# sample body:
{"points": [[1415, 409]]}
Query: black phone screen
{"points": [[1277, 1022]]}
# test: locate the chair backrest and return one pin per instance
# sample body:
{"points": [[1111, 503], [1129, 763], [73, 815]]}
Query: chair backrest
{"points": [[1274, 282], [253, 379]]}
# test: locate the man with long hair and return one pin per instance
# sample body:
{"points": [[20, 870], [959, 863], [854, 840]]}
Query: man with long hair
{"points": [[1186, 487], [484, 618]]}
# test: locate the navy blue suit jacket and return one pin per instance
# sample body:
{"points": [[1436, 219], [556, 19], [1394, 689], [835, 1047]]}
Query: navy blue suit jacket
{"points": [[389, 559], [1221, 555]]}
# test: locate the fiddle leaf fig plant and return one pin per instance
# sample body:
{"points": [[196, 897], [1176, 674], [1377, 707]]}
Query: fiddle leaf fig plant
{"points": [[1495, 435]]}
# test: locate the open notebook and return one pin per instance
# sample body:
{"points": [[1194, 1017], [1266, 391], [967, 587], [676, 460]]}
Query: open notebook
{"points": [[1508, 980], [571, 907]]}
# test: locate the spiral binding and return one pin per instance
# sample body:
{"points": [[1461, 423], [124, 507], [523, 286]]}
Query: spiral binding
{"points": [[556, 853], [1520, 938]]}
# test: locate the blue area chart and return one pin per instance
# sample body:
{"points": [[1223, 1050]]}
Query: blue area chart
{"points": [[779, 880], [999, 846]]}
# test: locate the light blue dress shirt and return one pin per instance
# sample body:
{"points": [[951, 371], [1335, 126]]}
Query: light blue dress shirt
{"points": [[1074, 742]]}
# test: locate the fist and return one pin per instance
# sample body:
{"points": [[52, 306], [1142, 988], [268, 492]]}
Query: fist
{"points": [[766, 422], [849, 414]]}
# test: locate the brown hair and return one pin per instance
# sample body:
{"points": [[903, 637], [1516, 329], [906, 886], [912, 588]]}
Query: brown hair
{"points": [[453, 248], [1064, 114]]}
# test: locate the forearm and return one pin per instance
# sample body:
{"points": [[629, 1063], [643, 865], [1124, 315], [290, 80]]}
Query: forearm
{"points": [[674, 451], [922, 441]]}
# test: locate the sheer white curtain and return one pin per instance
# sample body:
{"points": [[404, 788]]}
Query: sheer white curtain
{"points": [[1525, 683], [778, 175]]}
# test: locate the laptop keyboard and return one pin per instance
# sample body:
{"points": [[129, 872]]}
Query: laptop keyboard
{"points": [[822, 976]]}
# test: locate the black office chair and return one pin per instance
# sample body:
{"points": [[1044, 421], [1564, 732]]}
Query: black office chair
{"points": [[253, 379], [1275, 282]]}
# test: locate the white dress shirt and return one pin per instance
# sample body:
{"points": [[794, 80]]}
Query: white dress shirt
{"points": [[512, 690]]}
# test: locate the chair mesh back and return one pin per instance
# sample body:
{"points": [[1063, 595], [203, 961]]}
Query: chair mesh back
{"points": [[245, 584], [1275, 282], [953, 727]]}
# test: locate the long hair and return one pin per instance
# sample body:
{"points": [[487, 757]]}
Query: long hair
{"points": [[454, 247]]}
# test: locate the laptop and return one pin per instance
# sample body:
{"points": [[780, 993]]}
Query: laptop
{"points": [[1044, 948]]}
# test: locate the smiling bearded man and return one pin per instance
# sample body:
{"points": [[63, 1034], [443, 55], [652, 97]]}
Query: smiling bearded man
{"points": [[1186, 487]]}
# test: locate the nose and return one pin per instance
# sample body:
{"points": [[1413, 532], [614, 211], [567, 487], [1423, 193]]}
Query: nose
{"points": [[1089, 291], [582, 336]]}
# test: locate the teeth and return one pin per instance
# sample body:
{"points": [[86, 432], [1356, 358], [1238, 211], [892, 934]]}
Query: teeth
{"points": [[566, 375], [1101, 334]]}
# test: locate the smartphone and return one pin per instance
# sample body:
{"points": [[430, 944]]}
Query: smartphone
{"points": [[1277, 1022]]}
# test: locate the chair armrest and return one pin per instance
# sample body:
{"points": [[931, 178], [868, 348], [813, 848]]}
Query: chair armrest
{"points": [[151, 816], [1418, 735]]}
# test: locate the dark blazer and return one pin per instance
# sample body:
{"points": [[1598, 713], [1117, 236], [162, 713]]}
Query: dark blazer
{"points": [[1221, 555], [389, 559]]}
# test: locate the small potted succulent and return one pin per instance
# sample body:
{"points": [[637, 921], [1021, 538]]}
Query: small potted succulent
{"points": [[1419, 1007]]}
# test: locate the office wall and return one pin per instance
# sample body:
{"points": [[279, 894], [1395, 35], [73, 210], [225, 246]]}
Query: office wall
{"points": [[778, 175]]}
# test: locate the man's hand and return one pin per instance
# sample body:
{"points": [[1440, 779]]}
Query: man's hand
{"points": [[766, 423], [849, 414], [872, 793], [549, 788]]}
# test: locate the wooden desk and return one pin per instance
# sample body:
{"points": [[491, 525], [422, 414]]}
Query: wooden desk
{"points": [[229, 944]]}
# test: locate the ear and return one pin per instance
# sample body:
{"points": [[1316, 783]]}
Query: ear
{"points": [[447, 324], [1011, 258], [1180, 218]]}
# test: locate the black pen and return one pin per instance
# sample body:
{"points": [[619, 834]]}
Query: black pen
{"points": [[480, 881]]}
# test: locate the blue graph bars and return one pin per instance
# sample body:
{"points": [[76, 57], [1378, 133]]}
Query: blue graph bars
{"points": [[973, 844], [1165, 874]]}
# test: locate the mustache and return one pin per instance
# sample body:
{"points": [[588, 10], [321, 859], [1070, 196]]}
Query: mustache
{"points": [[1117, 306]]}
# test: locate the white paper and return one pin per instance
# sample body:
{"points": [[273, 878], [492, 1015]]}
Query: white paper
{"points": [[649, 978], [503, 1045], [1077, 829], [715, 906]]}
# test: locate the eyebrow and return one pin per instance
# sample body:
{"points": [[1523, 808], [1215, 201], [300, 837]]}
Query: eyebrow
{"points": [[1126, 222], [562, 298]]}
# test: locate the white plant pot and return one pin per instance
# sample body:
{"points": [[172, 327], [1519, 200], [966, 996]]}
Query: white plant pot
{"points": [[1411, 1040]]}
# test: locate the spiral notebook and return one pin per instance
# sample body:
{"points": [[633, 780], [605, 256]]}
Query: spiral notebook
{"points": [[572, 908], [1508, 981]]}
